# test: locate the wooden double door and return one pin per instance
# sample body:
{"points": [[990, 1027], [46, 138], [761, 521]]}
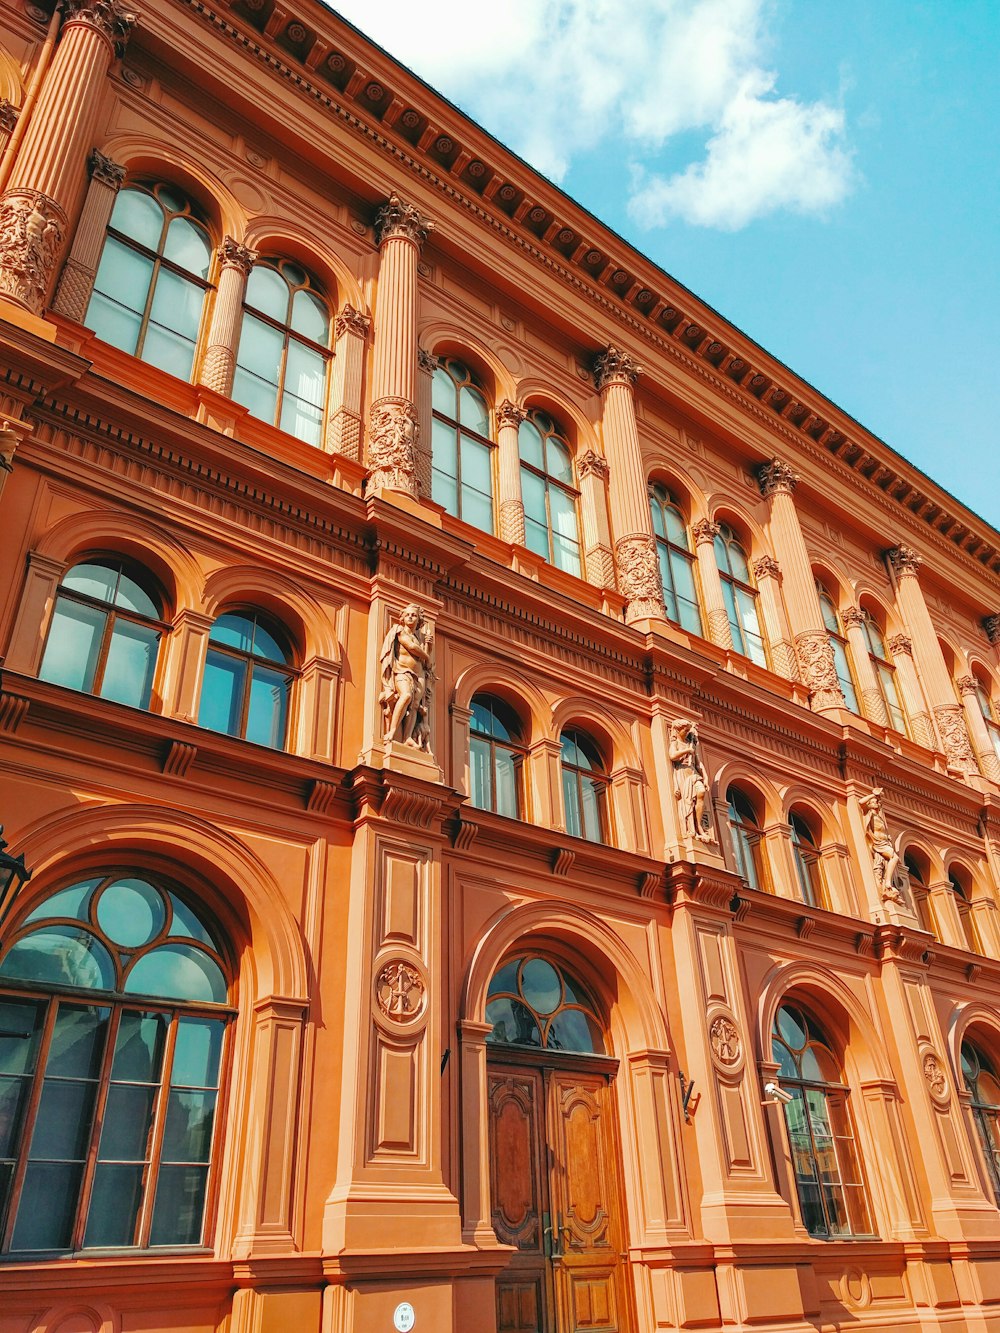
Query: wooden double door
{"points": [[554, 1168]]}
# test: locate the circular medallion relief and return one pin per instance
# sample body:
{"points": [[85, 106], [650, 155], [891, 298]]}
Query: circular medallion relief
{"points": [[937, 1079], [724, 1037], [399, 991]]}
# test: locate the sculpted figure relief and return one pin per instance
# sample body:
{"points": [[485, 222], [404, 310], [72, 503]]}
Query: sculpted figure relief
{"points": [[885, 858], [690, 780], [407, 668]]}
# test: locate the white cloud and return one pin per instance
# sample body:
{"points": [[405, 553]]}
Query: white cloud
{"points": [[561, 79]]}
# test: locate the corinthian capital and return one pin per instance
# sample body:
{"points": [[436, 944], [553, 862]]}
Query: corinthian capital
{"points": [[967, 684], [904, 560], [509, 414], [593, 464], [396, 219], [108, 17], [776, 477], [614, 367], [233, 255], [8, 115], [353, 321], [991, 624], [105, 171], [704, 531], [766, 567]]}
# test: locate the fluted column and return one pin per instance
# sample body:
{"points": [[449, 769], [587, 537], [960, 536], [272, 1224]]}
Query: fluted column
{"points": [[593, 474], [777, 634], [705, 533], [914, 703], [393, 429], [930, 663], [47, 177], [219, 364], [872, 703], [77, 281], [817, 668], [509, 418], [343, 428], [982, 740], [427, 364], [615, 374]]}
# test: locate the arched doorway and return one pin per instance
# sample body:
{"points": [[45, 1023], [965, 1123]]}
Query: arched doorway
{"points": [[554, 1155]]}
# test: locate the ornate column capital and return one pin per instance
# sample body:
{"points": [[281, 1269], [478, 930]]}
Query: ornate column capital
{"points": [[766, 567], [967, 685], [8, 115], [775, 477], [852, 617], [32, 227], [427, 361], [104, 170], [904, 560], [991, 624], [704, 531], [509, 414], [231, 254], [108, 17], [398, 219], [899, 643], [352, 321], [615, 367], [593, 464]]}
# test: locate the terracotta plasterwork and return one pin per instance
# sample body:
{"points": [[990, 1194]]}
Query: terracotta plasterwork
{"points": [[353, 321], [818, 669], [615, 367], [766, 567], [900, 643], [231, 254], [967, 684], [704, 531], [399, 990], [103, 170], [393, 435], [991, 624], [32, 227], [427, 361], [955, 738], [8, 115], [934, 1073], [885, 858], [406, 667], [904, 561], [639, 574], [108, 17], [593, 464], [690, 781], [396, 219], [775, 476], [852, 617], [509, 414], [724, 1038]]}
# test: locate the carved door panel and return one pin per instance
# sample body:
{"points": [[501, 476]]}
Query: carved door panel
{"points": [[587, 1263], [519, 1193]]}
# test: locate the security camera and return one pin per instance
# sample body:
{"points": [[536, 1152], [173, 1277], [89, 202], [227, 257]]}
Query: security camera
{"points": [[772, 1093]]}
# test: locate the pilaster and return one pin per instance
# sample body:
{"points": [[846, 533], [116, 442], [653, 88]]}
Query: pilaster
{"points": [[869, 694], [982, 740], [777, 635], [219, 364], [426, 366], [77, 280], [593, 473], [716, 616], [352, 330]]}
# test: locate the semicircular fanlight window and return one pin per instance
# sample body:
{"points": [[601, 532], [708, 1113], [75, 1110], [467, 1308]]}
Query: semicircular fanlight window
{"points": [[533, 1002]]}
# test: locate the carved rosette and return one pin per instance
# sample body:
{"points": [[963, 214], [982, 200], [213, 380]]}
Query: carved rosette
{"points": [[108, 17], [32, 227], [593, 464], [991, 624], [725, 1042], [233, 255], [904, 561], [955, 738], [775, 477], [393, 434], [818, 669], [704, 531], [427, 361], [937, 1080], [400, 991], [509, 414], [398, 220], [353, 321], [639, 575], [766, 567], [615, 367], [106, 172]]}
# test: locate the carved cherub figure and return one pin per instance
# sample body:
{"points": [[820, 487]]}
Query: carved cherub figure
{"points": [[407, 673], [690, 779]]}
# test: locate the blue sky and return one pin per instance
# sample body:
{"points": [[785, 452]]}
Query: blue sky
{"points": [[826, 175]]}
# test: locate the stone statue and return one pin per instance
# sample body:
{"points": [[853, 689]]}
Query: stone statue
{"points": [[885, 858], [690, 780], [407, 668]]}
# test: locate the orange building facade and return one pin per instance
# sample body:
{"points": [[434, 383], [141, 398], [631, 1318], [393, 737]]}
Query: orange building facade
{"points": [[510, 774]]}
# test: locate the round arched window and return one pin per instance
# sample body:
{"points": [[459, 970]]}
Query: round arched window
{"points": [[534, 1002]]}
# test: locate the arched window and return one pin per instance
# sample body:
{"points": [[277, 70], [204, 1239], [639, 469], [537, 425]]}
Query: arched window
{"points": [[461, 448], [534, 1002], [150, 287], [838, 642], [673, 547], [984, 1090], [961, 888], [113, 1014], [825, 1158], [496, 757], [284, 353], [885, 672], [919, 892], [746, 837], [248, 679], [808, 867], [585, 787], [989, 710], [105, 632], [548, 493], [739, 595]]}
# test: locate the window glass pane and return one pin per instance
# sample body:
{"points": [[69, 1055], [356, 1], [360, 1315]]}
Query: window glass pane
{"points": [[77, 1042], [572, 1030], [593, 801], [667, 582], [830, 618], [513, 1023], [73, 645], [131, 661], [480, 774], [529, 444], [20, 1028], [844, 674], [267, 291], [261, 348], [751, 628], [477, 465], [675, 526], [93, 580], [127, 1116], [187, 246], [533, 498], [735, 627], [132, 597], [259, 397], [687, 595], [536, 538], [473, 411], [444, 448], [541, 986], [559, 460], [309, 317], [47, 1208], [505, 979], [177, 971], [572, 804], [176, 307], [563, 509], [180, 1205], [222, 693], [115, 1200], [197, 1052], [268, 707], [302, 419], [113, 323], [139, 216], [131, 912], [139, 1047], [506, 786], [170, 351], [444, 491], [123, 277], [656, 513], [63, 956], [305, 373], [235, 631], [266, 645], [443, 395], [738, 562], [71, 902], [477, 509]]}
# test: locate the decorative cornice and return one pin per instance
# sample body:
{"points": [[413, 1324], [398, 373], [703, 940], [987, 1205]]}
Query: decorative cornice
{"points": [[593, 464], [704, 531], [353, 321], [509, 414], [104, 170], [231, 254], [615, 367], [904, 561], [775, 476], [108, 17], [396, 219]]}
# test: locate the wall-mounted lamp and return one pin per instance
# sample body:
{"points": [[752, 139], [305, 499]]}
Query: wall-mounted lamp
{"points": [[13, 873], [687, 1092]]}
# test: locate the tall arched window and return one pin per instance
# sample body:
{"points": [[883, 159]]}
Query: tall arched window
{"points": [[673, 547], [821, 1136], [549, 493], [496, 757], [988, 708], [961, 888], [585, 787], [248, 679], [885, 672], [150, 287], [113, 1014], [535, 1002], [284, 353], [808, 867], [461, 448], [740, 595], [744, 831], [984, 1089], [838, 642], [105, 632], [919, 892]]}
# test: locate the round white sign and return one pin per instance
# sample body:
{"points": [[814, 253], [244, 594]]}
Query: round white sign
{"points": [[403, 1317]]}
